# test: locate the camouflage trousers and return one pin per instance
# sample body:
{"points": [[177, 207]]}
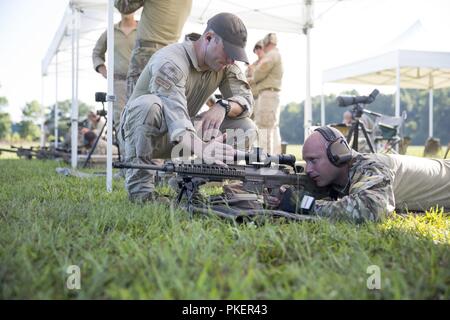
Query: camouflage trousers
{"points": [[139, 58], [267, 118], [144, 134]]}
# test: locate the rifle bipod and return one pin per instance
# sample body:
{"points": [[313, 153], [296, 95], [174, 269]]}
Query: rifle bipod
{"points": [[190, 186]]}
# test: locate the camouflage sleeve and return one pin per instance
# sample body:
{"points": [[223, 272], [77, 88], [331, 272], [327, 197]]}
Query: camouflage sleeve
{"points": [[168, 82], [235, 87], [98, 54], [370, 198], [128, 6]]}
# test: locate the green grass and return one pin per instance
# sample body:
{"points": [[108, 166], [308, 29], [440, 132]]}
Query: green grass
{"points": [[124, 251]]}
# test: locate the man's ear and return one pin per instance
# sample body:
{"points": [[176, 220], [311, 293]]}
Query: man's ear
{"points": [[208, 36]]}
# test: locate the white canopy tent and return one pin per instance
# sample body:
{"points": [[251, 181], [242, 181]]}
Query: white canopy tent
{"points": [[402, 65], [71, 47], [402, 68], [84, 20]]}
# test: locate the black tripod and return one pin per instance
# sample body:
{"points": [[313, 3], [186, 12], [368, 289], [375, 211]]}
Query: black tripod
{"points": [[357, 103], [101, 113]]}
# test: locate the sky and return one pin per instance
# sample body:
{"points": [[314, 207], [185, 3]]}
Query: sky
{"points": [[349, 31]]}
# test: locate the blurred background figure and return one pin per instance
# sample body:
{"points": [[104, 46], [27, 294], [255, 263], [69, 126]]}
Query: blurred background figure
{"points": [[347, 118], [161, 24], [89, 141], [96, 123], [266, 78], [259, 51], [124, 39]]}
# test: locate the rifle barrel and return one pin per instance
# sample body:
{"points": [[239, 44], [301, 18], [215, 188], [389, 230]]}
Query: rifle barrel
{"points": [[121, 165]]}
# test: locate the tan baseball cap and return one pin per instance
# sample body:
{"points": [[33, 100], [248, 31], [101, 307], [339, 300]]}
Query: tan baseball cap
{"points": [[270, 38], [258, 45], [233, 33]]}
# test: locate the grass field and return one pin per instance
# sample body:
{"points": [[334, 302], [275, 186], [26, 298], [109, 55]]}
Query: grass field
{"points": [[50, 222]]}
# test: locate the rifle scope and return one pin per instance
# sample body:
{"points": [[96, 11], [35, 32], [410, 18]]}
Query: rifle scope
{"points": [[344, 101], [258, 156]]}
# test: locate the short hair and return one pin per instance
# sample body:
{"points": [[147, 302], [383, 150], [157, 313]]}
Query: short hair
{"points": [[258, 45], [90, 136]]}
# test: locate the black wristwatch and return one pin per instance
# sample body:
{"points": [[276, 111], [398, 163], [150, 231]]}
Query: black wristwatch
{"points": [[225, 104]]}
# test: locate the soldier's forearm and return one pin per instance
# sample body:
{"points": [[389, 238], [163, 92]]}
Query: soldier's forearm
{"points": [[128, 6], [244, 106], [354, 208], [236, 109], [99, 51]]}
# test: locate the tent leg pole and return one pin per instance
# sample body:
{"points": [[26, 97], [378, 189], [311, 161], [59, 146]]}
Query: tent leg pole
{"points": [[308, 110], [74, 113], [322, 108], [430, 110], [56, 101], [110, 99], [397, 95], [42, 142]]}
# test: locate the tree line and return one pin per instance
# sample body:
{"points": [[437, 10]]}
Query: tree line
{"points": [[414, 102], [29, 127]]}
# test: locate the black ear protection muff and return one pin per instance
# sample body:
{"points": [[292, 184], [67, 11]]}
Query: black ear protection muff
{"points": [[338, 150]]}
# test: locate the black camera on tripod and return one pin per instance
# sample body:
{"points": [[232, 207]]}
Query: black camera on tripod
{"points": [[101, 97], [357, 112]]}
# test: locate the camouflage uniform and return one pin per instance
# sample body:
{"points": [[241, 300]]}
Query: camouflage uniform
{"points": [[161, 24], [123, 44], [380, 183], [266, 82], [170, 91]]}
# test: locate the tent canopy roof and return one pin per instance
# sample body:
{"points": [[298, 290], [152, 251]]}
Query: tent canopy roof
{"points": [[418, 70], [278, 16]]}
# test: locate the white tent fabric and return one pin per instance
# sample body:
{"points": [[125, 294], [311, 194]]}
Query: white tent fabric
{"points": [[402, 68], [418, 70], [413, 69], [84, 20]]}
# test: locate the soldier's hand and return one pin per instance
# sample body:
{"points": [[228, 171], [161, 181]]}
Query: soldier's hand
{"points": [[211, 121], [216, 152], [295, 201], [102, 70]]}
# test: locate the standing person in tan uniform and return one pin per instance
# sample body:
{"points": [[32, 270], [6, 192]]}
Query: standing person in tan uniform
{"points": [[259, 51], [160, 24], [267, 82], [124, 39], [172, 88], [368, 187]]}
